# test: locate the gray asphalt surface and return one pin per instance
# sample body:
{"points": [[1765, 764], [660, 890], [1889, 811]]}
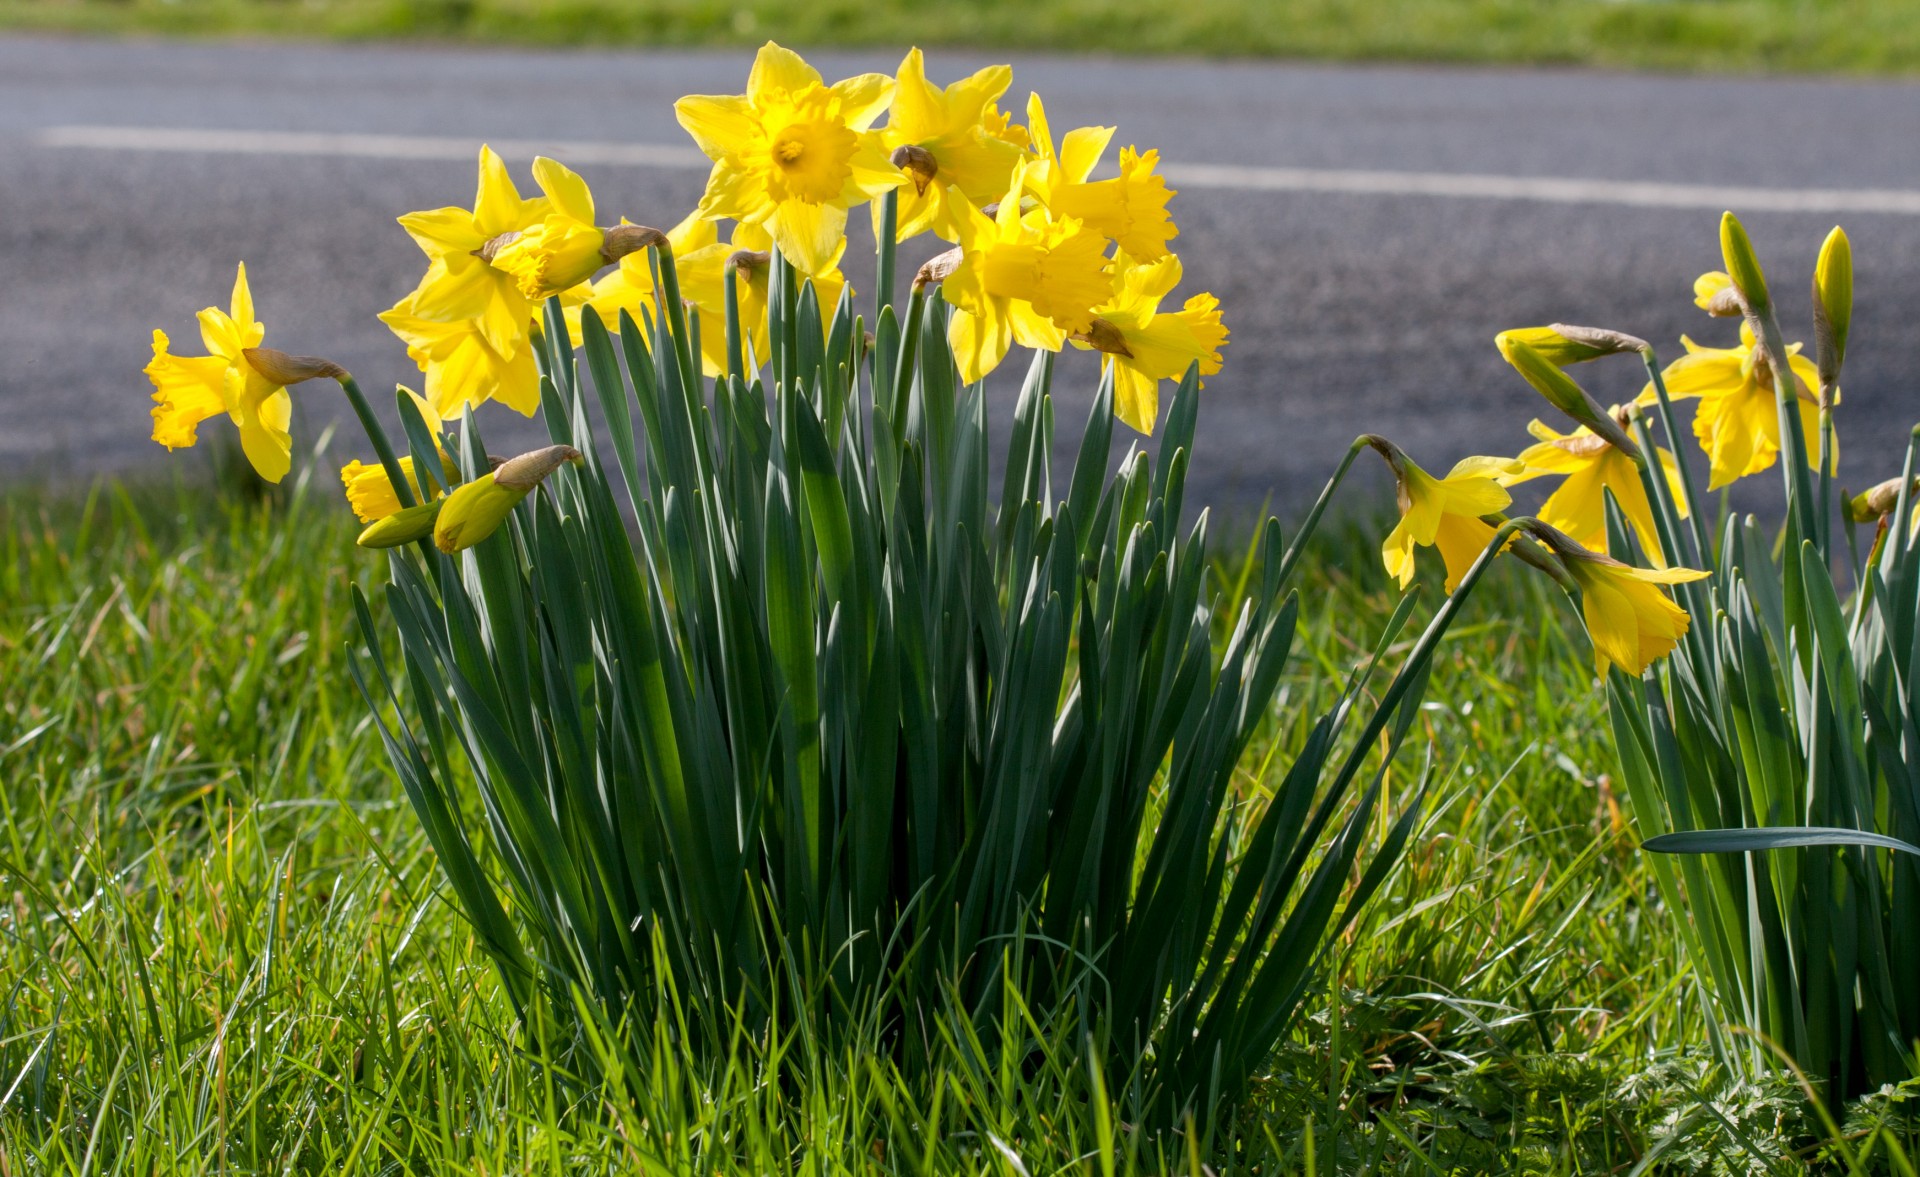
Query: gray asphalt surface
{"points": [[1348, 312]]}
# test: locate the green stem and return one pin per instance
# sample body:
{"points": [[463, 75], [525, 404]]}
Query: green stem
{"points": [[1312, 520], [1702, 550], [378, 437], [887, 249], [1666, 522]]}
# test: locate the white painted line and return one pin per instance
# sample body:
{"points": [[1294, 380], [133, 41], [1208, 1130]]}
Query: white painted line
{"points": [[1549, 189], [408, 147]]}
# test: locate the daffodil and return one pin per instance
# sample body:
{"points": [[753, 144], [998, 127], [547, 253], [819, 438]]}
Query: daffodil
{"points": [[370, 492], [945, 141], [1443, 513], [1029, 277], [1131, 208], [1592, 467], [1145, 345], [1631, 623], [190, 389], [792, 154], [462, 366], [565, 247], [461, 283], [1738, 420]]}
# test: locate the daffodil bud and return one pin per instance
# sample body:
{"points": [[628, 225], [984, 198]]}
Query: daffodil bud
{"points": [[1713, 293], [1832, 304], [1563, 343], [402, 527], [624, 239], [938, 268], [749, 259], [1877, 502], [1742, 266], [1562, 392], [476, 509], [917, 162], [282, 369]]}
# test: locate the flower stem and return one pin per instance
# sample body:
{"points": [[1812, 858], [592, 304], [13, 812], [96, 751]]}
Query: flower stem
{"points": [[1702, 550]]}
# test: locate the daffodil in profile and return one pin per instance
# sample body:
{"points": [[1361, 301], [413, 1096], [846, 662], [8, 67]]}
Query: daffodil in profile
{"points": [[238, 378], [629, 285], [792, 154], [1145, 345], [1029, 277], [370, 492], [565, 247], [1131, 208], [1630, 621], [1444, 513], [1590, 468], [945, 141], [1738, 419]]}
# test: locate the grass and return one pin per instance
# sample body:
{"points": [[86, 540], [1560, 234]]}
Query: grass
{"points": [[224, 945], [1824, 36]]}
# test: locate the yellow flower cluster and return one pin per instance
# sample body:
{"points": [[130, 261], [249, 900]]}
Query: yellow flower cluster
{"points": [[1046, 254]]}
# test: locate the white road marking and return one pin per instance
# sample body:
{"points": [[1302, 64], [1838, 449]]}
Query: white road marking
{"points": [[1548, 189]]}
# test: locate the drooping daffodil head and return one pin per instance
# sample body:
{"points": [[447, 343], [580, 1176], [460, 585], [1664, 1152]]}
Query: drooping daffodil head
{"points": [[566, 247], [792, 154], [1631, 622], [238, 377], [1444, 513], [1145, 345]]}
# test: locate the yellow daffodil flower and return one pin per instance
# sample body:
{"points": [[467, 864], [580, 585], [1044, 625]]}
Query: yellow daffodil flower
{"points": [[1146, 345], [370, 492], [1631, 623], [461, 283], [461, 365], [190, 389], [1131, 208], [1443, 513], [475, 510], [942, 141], [629, 286], [1026, 277], [564, 248], [1592, 467], [1738, 422], [792, 154]]}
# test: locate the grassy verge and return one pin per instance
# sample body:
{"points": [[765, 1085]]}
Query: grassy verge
{"points": [[1832, 36], [224, 947]]}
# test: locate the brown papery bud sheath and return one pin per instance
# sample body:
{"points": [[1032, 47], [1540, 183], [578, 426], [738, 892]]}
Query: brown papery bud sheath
{"points": [[283, 369]]}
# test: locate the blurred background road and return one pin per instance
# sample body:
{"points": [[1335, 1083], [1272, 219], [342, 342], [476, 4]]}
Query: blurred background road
{"points": [[1368, 229]]}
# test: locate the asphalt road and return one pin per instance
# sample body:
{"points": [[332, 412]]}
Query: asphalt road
{"points": [[1368, 230]]}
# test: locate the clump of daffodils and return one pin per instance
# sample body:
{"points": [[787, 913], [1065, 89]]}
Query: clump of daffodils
{"points": [[1044, 255]]}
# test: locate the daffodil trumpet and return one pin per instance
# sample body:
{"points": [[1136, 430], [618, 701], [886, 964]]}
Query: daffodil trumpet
{"points": [[1631, 623], [1448, 514]]}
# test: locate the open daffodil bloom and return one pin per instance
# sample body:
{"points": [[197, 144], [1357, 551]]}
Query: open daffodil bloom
{"points": [[792, 154], [1145, 345], [1443, 513], [1131, 208], [946, 141], [1591, 468], [190, 389], [1738, 420], [1022, 276]]}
